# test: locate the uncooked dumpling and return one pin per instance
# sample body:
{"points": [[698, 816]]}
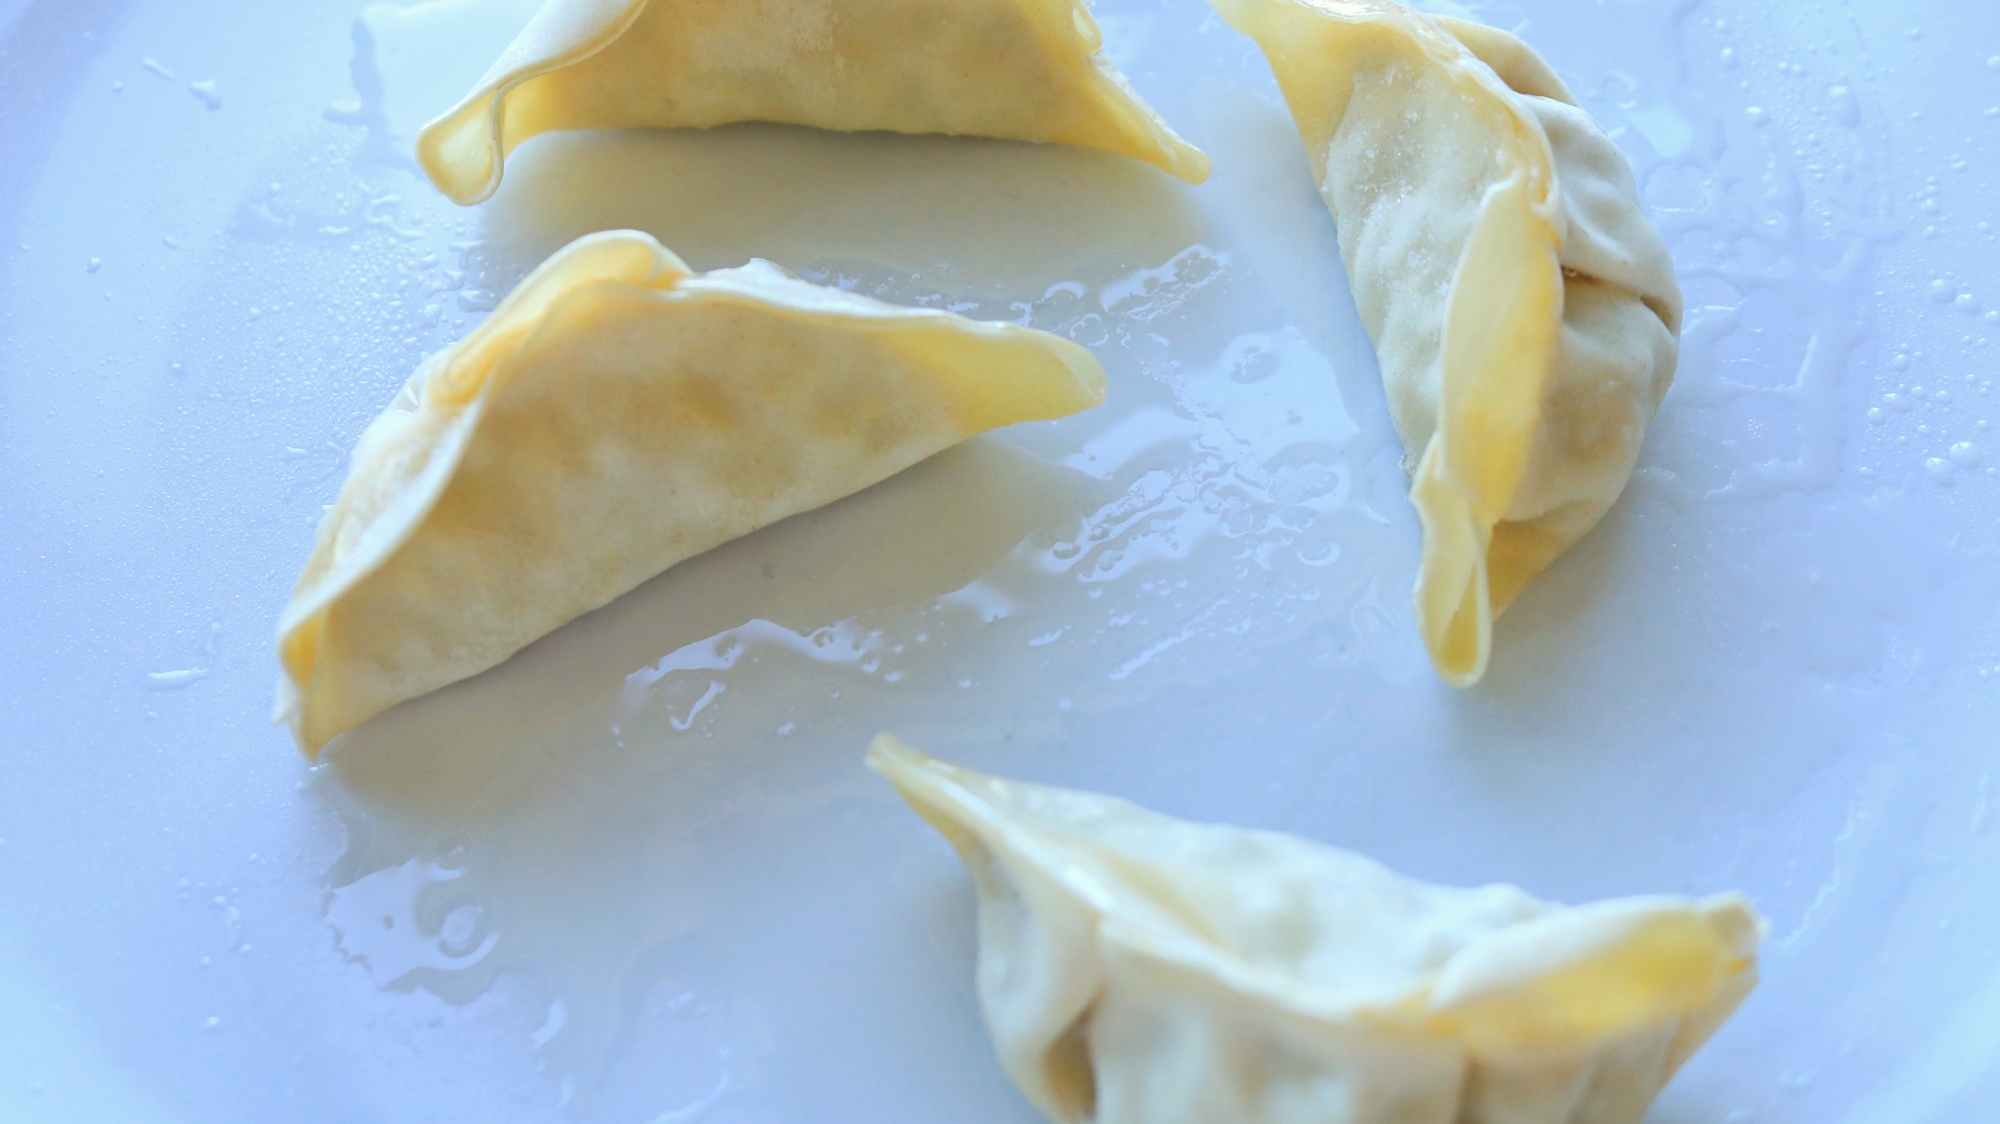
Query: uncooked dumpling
{"points": [[1523, 309], [1019, 69], [1138, 969], [615, 415]]}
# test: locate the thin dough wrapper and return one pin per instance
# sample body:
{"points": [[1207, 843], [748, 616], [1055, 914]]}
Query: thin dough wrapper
{"points": [[1523, 309], [1138, 969], [1017, 69], [616, 415]]}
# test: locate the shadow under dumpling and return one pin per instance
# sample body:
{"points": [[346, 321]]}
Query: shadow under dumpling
{"points": [[476, 748], [970, 216], [499, 829]]}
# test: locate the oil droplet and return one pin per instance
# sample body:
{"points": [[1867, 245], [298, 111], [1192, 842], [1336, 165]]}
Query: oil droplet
{"points": [[461, 932], [558, 1018], [1940, 472], [93, 265], [175, 680], [1964, 454]]}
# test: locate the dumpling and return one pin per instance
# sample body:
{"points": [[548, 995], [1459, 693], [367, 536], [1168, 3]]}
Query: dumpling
{"points": [[1138, 969], [1524, 311], [1019, 69], [615, 415]]}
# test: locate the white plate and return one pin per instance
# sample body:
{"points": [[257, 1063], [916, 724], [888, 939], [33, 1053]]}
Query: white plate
{"points": [[639, 875]]}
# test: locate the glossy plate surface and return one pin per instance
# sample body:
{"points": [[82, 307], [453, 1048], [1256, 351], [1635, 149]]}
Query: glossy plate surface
{"points": [[638, 874]]}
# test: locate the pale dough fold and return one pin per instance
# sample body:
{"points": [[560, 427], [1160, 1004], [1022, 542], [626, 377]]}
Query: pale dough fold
{"points": [[1018, 69], [1138, 969], [616, 415], [1524, 310]]}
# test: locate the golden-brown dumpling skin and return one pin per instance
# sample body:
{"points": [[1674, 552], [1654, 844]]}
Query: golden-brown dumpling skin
{"points": [[616, 415], [1524, 311], [1017, 69], [1139, 969]]}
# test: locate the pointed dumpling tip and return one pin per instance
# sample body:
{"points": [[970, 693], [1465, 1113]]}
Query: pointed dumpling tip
{"points": [[892, 757], [1579, 977]]}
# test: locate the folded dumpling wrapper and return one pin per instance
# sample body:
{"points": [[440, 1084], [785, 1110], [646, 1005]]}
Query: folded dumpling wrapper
{"points": [[1139, 969], [1018, 69], [1523, 308], [615, 415]]}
